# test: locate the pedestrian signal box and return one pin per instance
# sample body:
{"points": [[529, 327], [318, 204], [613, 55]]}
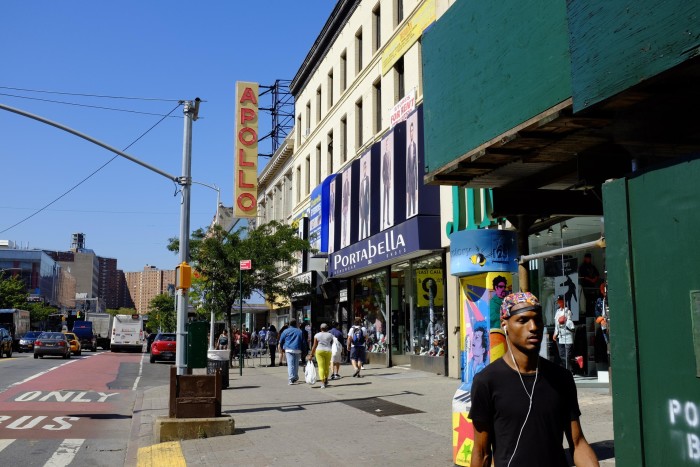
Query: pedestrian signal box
{"points": [[183, 276]]}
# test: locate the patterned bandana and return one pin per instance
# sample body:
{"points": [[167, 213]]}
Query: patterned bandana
{"points": [[519, 297]]}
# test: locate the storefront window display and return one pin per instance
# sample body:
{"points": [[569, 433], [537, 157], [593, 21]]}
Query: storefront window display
{"points": [[370, 298], [428, 319]]}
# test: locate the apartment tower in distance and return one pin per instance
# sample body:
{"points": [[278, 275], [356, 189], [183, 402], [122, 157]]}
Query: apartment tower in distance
{"points": [[145, 285]]}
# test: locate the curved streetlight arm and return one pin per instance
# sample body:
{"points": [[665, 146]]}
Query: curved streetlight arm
{"points": [[218, 198], [178, 180]]}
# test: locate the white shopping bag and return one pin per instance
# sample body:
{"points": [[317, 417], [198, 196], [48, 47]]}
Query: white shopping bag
{"points": [[310, 372], [336, 351]]}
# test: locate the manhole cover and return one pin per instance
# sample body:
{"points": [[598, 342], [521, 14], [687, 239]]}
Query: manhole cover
{"points": [[380, 408]]}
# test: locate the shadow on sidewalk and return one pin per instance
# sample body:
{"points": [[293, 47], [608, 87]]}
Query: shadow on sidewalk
{"points": [[294, 407], [240, 431], [604, 449]]}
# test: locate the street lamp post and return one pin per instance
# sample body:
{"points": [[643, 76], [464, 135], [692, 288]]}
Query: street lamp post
{"points": [[216, 222]]}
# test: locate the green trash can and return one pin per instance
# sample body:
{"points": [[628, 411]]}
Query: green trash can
{"points": [[197, 344]]}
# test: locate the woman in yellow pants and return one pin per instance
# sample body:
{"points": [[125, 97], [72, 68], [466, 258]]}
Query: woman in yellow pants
{"points": [[323, 345]]}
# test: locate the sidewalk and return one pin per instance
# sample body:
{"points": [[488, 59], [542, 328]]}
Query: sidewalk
{"points": [[391, 416]]}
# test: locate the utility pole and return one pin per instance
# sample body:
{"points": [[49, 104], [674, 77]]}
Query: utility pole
{"points": [[190, 111]]}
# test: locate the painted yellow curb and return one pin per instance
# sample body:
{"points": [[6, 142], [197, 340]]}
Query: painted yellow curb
{"points": [[163, 454]]}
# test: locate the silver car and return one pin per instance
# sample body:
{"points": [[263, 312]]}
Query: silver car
{"points": [[52, 343]]}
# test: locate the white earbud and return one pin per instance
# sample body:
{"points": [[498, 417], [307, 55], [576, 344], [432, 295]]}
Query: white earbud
{"points": [[505, 328]]}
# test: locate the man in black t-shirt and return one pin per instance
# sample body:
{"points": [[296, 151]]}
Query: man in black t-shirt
{"points": [[522, 404]]}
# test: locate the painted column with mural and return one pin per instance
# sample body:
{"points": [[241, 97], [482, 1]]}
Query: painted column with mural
{"points": [[484, 260]]}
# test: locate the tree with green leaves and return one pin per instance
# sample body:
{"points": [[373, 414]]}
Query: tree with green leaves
{"points": [[13, 292], [39, 313], [215, 255], [161, 313]]}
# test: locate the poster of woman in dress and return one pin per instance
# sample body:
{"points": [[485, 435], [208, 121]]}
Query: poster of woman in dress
{"points": [[412, 167]]}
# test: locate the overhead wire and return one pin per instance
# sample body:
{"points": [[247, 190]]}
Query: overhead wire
{"points": [[86, 105], [93, 173], [90, 95]]}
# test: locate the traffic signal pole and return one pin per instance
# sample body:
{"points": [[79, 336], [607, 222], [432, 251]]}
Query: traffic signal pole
{"points": [[191, 110], [186, 184]]}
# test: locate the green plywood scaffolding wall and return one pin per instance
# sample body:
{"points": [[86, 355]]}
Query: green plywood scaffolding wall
{"points": [[653, 260], [488, 67]]}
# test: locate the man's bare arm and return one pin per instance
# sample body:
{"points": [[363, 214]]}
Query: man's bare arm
{"points": [[580, 449], [481, 453]]}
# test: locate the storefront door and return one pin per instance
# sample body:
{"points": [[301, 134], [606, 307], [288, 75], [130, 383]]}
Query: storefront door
{"points": [[370, 302], [400, 314]]}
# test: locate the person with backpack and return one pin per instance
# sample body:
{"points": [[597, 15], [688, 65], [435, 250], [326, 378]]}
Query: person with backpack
{"points": [[357, 339], [271, 340]]}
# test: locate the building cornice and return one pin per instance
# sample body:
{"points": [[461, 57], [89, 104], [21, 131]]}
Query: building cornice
{"points": [[278, 159], [334, 26]]}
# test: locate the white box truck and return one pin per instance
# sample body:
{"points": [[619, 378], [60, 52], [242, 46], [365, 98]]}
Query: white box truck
{"points": [[127, 333], [101, 328]]}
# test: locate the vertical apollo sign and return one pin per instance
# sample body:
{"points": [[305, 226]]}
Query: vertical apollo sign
{"points": [[246, 146]]}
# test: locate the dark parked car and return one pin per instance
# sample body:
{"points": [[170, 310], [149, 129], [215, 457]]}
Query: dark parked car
{"points": [[5, 343], [163, 347], [52, 343], [26, 342]]}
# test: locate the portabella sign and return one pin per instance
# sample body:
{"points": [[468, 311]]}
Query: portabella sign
{"points": [[391, 244]]}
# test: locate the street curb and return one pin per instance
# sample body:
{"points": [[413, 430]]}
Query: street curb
{"points": [[132, 446], [177, 429]]}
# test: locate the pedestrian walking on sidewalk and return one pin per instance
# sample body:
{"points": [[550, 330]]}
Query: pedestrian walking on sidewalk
{"points": [[306, 340], [522, 404], [222, 344], [321, 349], [283, 357], [337, 357], [564, 333], [357, 340], [271, 339], [291, 342]]}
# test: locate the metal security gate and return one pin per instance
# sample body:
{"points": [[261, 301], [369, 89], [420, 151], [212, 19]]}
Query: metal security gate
{"points": [[652, 224]]}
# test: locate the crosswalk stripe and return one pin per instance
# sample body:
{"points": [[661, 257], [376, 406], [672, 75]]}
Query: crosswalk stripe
{"points": [[65, 453], [4, 443]]}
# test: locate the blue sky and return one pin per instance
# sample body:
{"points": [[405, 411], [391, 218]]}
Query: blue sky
{"points": [[148, 49]]}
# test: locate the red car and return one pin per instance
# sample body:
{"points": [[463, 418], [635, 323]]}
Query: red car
{"points": [[163, 347]]}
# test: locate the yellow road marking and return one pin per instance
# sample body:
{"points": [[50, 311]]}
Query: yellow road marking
{"points": [[163, 454]]}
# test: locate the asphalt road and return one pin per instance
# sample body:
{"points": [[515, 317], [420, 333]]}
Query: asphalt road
{"points": [[56, 412]]}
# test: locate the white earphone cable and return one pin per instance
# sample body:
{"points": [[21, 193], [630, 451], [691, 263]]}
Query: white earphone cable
{"points": [[530, 395]]}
